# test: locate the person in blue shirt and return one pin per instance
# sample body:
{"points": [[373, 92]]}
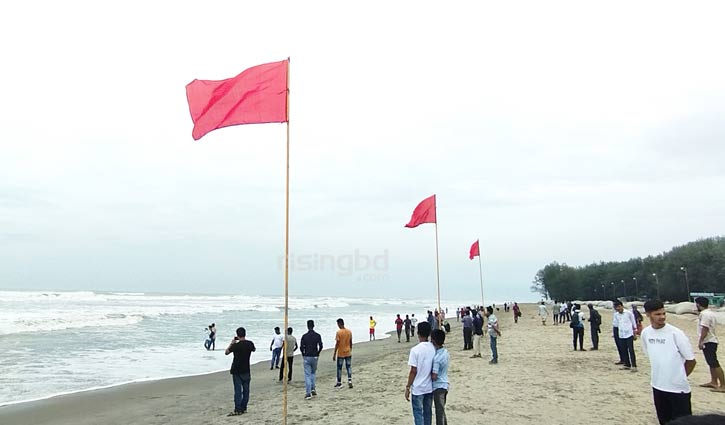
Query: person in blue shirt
{"points": [[439, 375]]}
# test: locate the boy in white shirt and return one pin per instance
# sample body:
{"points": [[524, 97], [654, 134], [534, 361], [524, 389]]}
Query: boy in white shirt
{"points": [[420, 384], [672, 361]]}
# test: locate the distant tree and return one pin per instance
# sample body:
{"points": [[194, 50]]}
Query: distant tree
{"points": [[704, 260]]}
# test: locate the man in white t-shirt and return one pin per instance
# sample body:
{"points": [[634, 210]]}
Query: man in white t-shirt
{"points": [[276, 348], [420, 385], [627, 325], [672, 361], [706, 324]]}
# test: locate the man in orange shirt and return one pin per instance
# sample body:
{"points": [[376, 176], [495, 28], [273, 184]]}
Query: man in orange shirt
{"points": [[343, 352]]}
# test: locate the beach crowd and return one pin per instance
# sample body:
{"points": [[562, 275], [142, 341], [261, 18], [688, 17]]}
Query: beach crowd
{"points": [[670, 353]]}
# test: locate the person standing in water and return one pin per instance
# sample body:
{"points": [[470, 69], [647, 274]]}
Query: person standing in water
{"points": [[373, 323]]}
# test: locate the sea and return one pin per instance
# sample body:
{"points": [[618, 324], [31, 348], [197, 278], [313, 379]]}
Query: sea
{"points": [[61, 342]]}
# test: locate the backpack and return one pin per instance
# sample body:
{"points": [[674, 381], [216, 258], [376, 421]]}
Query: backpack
{"points": [[574, 320]]}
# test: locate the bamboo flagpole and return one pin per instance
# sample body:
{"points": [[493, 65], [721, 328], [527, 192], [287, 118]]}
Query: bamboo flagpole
{"points": [[285, 361], [480, 271], [438, 282], [257, 95]]}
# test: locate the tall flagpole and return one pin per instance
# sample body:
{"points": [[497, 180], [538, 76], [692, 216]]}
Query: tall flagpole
{"points": [[438, 274], [286, 265], [480, 270]]}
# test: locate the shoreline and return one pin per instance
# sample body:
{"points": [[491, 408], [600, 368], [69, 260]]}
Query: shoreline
{"points": [[539, 378], [386, 335], [78, 405]]}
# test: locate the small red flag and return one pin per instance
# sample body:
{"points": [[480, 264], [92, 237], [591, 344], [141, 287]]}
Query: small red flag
{"points": [[425, 212], [257, 95], [474, 252]]}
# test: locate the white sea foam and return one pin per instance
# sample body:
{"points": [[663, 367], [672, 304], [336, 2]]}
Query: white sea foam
{"points": [[103, 339]]}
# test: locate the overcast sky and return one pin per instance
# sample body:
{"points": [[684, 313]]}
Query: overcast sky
{"points": [[550, 130]]}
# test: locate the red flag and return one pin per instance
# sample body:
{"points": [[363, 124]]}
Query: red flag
{"points": [[474, 252], [257, 95], [425, 212]]}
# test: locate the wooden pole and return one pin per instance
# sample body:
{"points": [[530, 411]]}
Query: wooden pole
{"points": [[286, 265], [480, 271]]}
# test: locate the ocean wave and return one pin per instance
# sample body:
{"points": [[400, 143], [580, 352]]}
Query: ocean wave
{"points": [[39, 311], [62, 322]]}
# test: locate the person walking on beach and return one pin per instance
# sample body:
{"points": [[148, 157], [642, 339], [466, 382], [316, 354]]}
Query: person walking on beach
{"points": [[430, 319], [439, 375], [458, 315], [493, 333], [595, 323], [310, 347], [467, 329], [343, 353], [241, 375], [413, 324], [398, 326], [627, 326], [672, 361], [406, 324], [543, 313], [707, 342], [276, 348], [517, 313], [477, 334], [555, 310], [419, 388], [291, 342], [373, 323]]}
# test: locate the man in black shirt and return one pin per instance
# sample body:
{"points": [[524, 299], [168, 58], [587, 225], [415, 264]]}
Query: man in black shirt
{"points": [[310, 347], [595, 321], [241, 376], [407, 324]]}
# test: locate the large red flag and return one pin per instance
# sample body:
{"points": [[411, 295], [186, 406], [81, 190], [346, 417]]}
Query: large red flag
{"points": [[474, 252], [257, 95], [425, 212]]}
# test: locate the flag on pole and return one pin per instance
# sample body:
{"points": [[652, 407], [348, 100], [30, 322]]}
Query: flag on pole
{"points": [[425, 212], [474, 252], [257, 95]]}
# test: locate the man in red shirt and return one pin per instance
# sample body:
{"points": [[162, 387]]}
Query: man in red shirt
{"points": [[399, 326]]}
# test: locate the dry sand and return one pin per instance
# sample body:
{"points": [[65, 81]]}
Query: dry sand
{"points": [[539, 379]]}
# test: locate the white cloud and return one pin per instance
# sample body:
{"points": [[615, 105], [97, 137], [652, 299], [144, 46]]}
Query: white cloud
{"points": [[552, 131]]}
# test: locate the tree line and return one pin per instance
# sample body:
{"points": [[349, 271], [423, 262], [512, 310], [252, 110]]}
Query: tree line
{"points": [[699, 264]]}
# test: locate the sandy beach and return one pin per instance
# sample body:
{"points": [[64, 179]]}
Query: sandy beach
{"points": [[539, 379]]}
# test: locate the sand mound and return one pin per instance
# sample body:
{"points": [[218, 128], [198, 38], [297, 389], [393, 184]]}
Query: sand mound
{"points": [[681, 308]]}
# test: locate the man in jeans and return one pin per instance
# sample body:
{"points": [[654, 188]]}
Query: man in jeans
{"points": [[419, 389], [343, 352], [310, 347], [241, 376], [494, 333], [627, 326], [439, 375], [276, 348]]}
